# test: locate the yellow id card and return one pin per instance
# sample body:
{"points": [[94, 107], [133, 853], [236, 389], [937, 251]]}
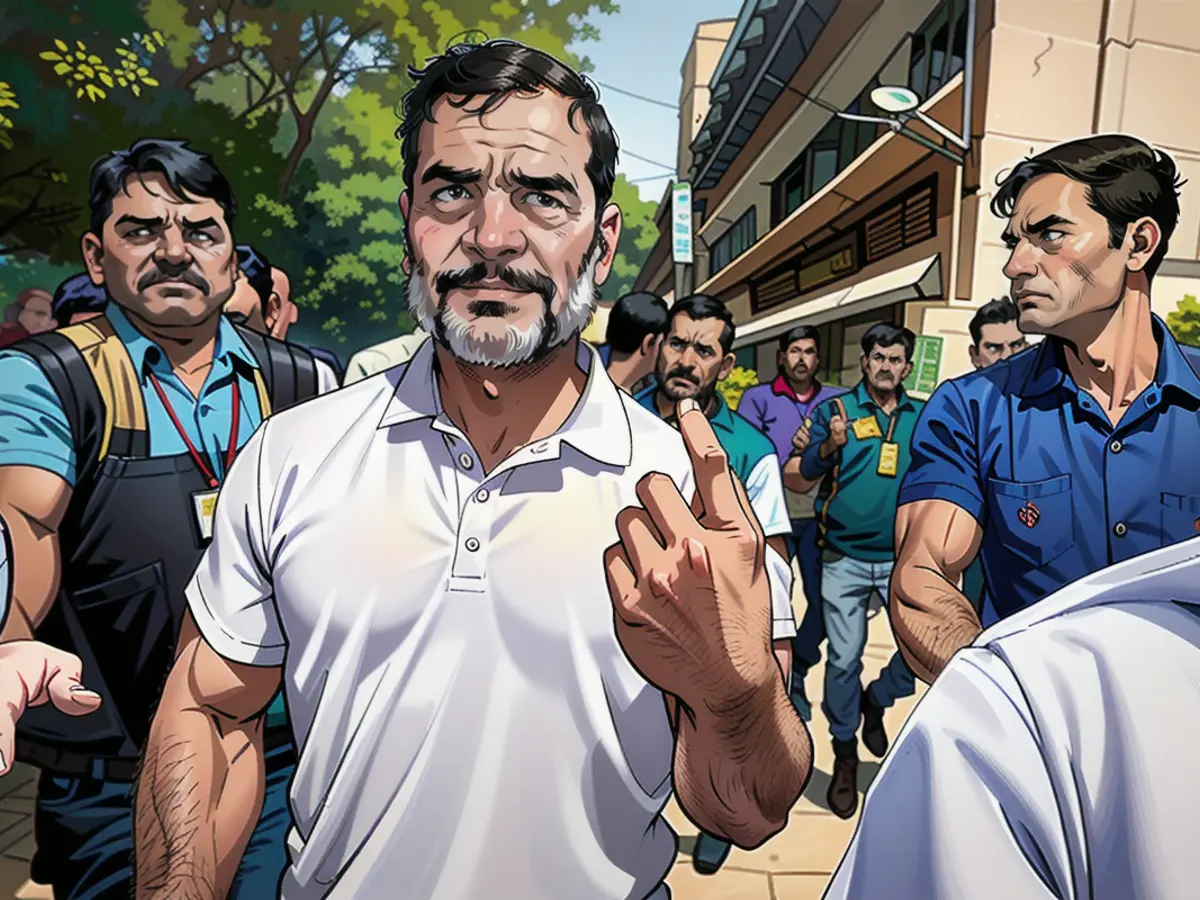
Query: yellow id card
{"points": [[205, 503], [867, 428], [889, 459]]}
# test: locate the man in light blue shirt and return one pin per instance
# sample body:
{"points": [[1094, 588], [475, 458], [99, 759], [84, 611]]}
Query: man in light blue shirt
{"points": [[115, 435]]}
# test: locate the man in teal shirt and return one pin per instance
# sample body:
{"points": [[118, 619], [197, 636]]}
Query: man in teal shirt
{"points": [[858, 447], [694, 356]]}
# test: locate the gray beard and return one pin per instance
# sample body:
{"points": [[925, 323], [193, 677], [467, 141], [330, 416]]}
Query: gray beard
{"points": [[518, 345]]}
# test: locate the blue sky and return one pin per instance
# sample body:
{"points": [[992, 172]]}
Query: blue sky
{"points": [[641, 49]]}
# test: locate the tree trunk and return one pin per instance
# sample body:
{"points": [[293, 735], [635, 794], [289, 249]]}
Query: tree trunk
{"points": [[304, 134]]}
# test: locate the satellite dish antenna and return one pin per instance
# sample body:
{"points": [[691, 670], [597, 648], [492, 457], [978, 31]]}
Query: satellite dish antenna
{"points": [[894, 99]]}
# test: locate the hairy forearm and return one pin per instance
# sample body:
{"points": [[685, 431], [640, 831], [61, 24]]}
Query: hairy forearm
{"points": [[742, 763], [932, 620], [198, 798]]}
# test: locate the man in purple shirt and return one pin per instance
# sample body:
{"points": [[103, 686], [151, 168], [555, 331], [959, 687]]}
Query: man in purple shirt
{"points": [[778, 409]]}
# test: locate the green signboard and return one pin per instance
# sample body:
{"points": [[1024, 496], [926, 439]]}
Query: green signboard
{"points": [[927, 362]]}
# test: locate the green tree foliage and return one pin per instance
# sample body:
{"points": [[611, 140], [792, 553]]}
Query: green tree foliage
{"points": [[1184, 321], [297, 100]]}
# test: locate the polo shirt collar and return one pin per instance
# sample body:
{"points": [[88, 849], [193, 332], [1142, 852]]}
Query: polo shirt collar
{"points": [[229, 346], [598, 427], [863, 398], [1173, 370], [781, 387], [723, 417]]}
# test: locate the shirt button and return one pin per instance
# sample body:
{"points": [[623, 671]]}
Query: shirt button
{"points": [[472, 544], [1119, 529], [482, 495], [464, 460], [1115, 446]]}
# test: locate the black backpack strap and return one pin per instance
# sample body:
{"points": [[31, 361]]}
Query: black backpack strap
{"points": [[290, 372], [71, 377]]}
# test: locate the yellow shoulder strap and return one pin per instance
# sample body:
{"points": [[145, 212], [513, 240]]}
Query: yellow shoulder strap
{"points": [[264, 398], [111, 367]]}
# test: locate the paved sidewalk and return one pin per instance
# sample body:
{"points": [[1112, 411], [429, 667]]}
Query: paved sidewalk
{"points": [[797, 863], [16, 828]]}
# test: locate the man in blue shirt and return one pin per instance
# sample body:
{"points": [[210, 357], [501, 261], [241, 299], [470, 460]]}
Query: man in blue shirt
{"points": [[116, 434], [779, 409], [857, 448], [1076, 454]]}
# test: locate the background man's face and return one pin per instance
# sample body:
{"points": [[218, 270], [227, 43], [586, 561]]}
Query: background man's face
{"points": [[504, 250], [800, 361], [997, 341], [283, 312], [885, 368], [245, 306], [37, 315], [167, 260], [1060, 265], [691, 361]]}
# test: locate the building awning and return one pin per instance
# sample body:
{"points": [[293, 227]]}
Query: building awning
{"points": [[917, 281]]}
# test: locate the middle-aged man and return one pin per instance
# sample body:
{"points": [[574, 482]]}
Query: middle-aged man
{"points": [[695, 354], [857, 448], [779, 410], [636, 325], [78, 299], [1079, 453], [1054, 758], [497, 663], [117, 434]]}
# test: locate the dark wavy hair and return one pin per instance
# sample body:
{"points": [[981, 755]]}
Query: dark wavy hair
{"points": [[492, 71]]}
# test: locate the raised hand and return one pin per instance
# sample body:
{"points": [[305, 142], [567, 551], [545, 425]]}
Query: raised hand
{"points": [[33, 673], [688, 584], [837, 430]]}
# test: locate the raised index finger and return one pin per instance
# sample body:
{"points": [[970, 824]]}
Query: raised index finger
{"points": [[710, 465]]}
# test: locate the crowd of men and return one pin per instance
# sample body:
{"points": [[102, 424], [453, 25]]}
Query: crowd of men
{"points": [[476, 577]]}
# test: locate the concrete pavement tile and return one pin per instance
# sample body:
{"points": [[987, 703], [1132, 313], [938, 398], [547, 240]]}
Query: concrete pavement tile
{"points": [[20, 848], [728, 884], [810, 843], [799, 887]]}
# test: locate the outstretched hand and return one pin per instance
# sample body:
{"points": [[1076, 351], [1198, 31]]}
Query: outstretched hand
{"points": [[688, 581], [33, 673]]}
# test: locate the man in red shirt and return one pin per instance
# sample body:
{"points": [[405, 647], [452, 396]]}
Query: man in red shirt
{"points": [[33, 315]]}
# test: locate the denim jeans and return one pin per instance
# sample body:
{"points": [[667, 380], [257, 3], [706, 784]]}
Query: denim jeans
{"points": [[846, 588], [83, 831], [806, 645]]}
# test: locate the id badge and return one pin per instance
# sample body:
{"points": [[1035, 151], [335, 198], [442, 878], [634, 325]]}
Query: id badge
{"points": [[889, 459], [205, 504], [867, 428]]}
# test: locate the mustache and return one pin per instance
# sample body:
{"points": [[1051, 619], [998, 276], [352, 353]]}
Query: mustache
{"points": [[684, 374], [521, 282], [165, 272]]}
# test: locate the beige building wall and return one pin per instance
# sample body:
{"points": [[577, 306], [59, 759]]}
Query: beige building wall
{"points": [[708, 44], [1060, 69]]}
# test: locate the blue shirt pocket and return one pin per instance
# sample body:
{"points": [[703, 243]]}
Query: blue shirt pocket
{"points": [[1033, 520], [1180, 517]]}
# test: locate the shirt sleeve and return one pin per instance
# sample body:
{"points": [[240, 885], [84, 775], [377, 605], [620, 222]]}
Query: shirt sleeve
{"points": [[326, 378], [764, 487], [231, 596], [945, 461], [963, 805], [781, 579], [751, 409], [34, 430], [812, 466]]}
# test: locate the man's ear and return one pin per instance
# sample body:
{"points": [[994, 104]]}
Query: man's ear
{"points": [[908, 367], [727, 365], [93, 253], [650, 344], [1147, 237], [610, 233], [274, 307], [974, 354]]}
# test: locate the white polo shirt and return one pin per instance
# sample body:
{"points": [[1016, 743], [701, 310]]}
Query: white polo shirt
{"points": [[1055, 759], [469, 725]]}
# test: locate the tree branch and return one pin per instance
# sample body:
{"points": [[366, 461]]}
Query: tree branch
{"points": [[31, 170], [7, 251]]}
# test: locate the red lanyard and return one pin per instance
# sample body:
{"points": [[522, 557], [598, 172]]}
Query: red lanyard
{"points": [[197, 458]]}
